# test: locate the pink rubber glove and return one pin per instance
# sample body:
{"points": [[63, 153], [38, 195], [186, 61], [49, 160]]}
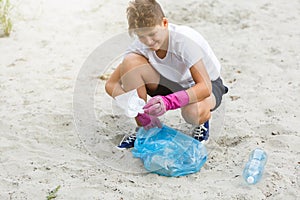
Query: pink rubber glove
{"points": [[158, 105], [148, 121]]}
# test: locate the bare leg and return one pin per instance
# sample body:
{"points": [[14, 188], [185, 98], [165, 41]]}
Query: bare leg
{"points": [[137, 73], [198, 113]]}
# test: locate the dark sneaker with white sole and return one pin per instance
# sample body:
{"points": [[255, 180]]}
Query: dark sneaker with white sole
{"points": [[128, 140], [201, 132]]}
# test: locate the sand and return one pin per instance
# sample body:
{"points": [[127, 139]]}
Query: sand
{"points": [[58, 127]]}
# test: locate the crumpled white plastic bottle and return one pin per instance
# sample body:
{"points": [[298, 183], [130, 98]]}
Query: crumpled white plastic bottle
{"points": [[130, 103]]}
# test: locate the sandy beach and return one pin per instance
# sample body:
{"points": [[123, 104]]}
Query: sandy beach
{"points": [[58, 127]]}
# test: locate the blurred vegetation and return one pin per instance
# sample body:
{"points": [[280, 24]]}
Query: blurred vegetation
{"points": [[53, 193], [5, 22]]}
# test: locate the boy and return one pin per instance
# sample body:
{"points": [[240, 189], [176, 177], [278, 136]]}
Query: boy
{"points": [[172, 64]]}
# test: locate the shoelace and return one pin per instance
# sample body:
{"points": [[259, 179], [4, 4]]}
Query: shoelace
{"points": [[199, 130], [130, 139]]}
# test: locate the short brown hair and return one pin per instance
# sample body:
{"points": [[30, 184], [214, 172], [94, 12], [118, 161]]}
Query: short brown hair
{"points": [[143, 14]]}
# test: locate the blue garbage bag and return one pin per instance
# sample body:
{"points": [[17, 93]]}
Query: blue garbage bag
{"points": [[168, 152]]}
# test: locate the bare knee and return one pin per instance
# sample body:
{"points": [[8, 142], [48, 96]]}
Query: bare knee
{"points": [[136, 71], [133, 61], [195, 114]]}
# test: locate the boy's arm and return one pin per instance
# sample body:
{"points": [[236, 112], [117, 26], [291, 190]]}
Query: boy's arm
{"points": [[202, 88], [113, 84]]}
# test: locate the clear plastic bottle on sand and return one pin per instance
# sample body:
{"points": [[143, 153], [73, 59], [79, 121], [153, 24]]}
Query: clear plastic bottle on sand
{"points": [[254, 168]]}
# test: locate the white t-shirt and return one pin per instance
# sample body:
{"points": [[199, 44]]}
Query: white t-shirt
{"points": [[186, 47]]}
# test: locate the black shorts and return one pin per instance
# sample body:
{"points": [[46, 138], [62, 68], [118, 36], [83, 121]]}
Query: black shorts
{"points": [[167, 86]]}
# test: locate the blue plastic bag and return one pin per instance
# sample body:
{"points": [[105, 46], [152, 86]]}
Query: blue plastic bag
{"points": [[169, 152]]}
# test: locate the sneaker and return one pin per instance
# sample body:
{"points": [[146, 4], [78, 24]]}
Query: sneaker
{"points": [[201, 132], [128, 140]]}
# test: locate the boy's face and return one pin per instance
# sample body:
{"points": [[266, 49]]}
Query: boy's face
{"points": [[155, 37]]}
